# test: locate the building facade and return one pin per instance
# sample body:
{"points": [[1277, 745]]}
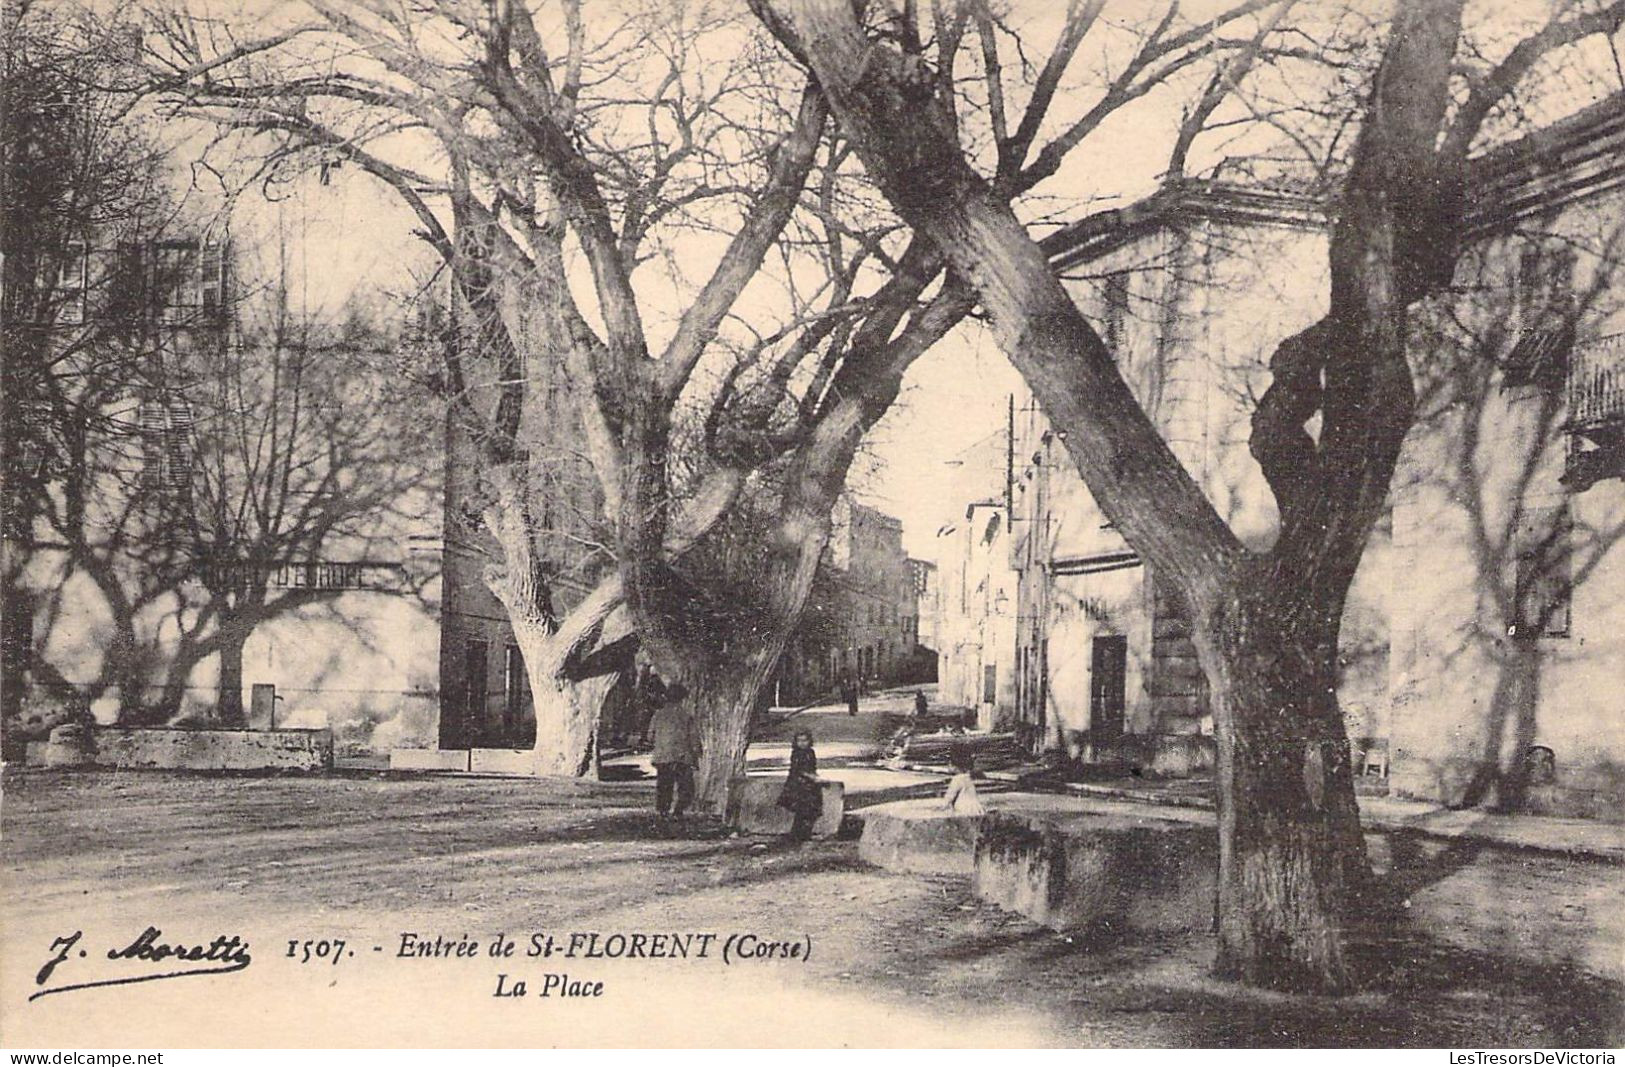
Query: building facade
{"points": [[194, 585], [977, 614], [484, 698], [1508, 606], [1480, 641], [1189, 291], [862, 622], [928, 618]]}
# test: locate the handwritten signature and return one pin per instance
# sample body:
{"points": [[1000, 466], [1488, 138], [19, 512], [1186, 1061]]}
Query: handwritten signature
{"points": [[223, 955]]}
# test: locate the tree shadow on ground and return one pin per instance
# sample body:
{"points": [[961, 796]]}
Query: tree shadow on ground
{"points": [[1427, 994], [1421, 991]]}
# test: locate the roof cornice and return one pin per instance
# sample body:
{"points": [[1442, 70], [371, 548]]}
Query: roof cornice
{"points": [[1578, 157]]}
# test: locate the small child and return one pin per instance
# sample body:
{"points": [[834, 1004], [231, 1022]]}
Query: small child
{"points": [[961, 795], [802, 795]]}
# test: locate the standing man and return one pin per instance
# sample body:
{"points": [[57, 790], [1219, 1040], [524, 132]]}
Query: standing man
{"points": [[676, 750]]}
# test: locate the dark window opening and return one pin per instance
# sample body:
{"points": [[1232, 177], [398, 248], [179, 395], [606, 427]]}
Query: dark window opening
{"points": [[515, 688], [1545, 312], [1108, 690], [1116, 312], [1543, 577], [166, 443]]}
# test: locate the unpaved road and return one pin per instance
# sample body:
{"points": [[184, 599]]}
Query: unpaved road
{"points": [[895, 960]]}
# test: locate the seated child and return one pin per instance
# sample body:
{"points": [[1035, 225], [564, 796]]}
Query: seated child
{"points": [[961, 795]]}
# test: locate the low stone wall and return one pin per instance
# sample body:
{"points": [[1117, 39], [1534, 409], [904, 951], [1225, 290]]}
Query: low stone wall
{"points": [[190, 750], [755, 806], [520, 762], [1069, 862], [515, 762]]}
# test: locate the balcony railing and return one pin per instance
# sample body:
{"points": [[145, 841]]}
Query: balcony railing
{"points": [[1597, 383]]}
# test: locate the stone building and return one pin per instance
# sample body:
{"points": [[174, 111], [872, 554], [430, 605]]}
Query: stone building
{"points": [[863, 615], [1188, 290], [1482, 641], [977, 614], [384, 631], [121, 610], [1508, 596], [927, 620]]}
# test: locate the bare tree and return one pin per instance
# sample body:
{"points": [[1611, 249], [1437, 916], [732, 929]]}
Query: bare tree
{"points": [[305, 460], [558, 152], [1327, 433], [82, 190]]}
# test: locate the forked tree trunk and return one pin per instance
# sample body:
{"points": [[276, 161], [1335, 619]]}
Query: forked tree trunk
{"points": [[1292, 861], [725, 683], [568, 709], [567, 717]]}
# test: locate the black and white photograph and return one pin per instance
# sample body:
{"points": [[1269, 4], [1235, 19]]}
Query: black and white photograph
{"points": [[815, 524]]}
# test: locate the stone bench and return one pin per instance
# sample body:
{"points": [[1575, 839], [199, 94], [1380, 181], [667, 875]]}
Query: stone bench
{"points": [[919, 836], [1061, 863], [1119, 872], [754, 808]]}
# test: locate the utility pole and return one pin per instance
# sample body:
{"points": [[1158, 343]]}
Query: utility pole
{"points": [[1010, 459]]}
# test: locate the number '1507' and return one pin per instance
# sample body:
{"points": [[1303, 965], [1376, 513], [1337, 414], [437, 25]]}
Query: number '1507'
{"points": [[305, 951]]}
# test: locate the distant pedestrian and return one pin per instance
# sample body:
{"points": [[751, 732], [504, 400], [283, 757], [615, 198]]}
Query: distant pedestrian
{"points": [[920, 705], [676, 750], [802, 796], [849, 692]]}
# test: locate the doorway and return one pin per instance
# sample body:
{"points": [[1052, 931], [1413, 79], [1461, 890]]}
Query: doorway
{"points": [[1108, 675]]}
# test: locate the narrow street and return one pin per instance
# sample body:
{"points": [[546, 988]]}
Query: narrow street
{"points": [[895, 960], [840, 735]]}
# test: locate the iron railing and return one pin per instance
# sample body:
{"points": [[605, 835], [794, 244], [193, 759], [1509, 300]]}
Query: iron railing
{"points": [[1597, 382]]}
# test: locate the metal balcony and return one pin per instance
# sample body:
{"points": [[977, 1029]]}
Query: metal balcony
{"points": [[1597, 383], [1596, 402]]}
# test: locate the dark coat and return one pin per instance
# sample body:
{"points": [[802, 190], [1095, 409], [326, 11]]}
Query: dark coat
{"points": [[802, 794]]}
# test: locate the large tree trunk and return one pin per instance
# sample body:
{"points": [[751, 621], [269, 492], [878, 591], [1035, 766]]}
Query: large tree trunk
{"points": [[1292, 861], [725, 679], [567, 717], [723, 699], [567, 704], [568, 708]]}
